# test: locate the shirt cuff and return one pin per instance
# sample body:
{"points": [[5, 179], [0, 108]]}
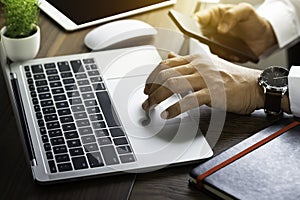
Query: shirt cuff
{"points": [[294, 90], [283, 18]]}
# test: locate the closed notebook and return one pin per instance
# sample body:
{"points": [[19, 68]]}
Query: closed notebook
{"points": [[264, 166]]}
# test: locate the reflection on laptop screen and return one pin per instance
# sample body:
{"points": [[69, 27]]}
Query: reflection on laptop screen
{"points": [[90, 12]]}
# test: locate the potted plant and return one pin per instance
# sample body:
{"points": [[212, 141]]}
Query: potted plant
{"points": [[21, 34]]}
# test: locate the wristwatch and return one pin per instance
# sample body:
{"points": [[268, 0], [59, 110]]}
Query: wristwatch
{"points": [[274, 81]]}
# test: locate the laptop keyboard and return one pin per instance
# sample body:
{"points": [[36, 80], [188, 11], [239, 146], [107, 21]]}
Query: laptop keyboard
{"points": [[78, 124]]}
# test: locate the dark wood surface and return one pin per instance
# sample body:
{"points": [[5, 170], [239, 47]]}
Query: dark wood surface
{"points": [[171, 183]]}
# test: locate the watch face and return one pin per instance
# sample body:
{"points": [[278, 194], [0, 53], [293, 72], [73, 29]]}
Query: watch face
{"points": [[275, 77]]}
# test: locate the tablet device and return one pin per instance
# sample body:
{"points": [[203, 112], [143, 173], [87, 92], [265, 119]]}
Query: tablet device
{"points": [[76, 14], [229, 44]]}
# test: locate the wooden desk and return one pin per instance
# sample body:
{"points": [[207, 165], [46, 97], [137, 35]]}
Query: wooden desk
{"points": [[171, 183]]}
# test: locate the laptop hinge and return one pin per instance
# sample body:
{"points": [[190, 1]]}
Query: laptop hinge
{"points": [[22, 118]]}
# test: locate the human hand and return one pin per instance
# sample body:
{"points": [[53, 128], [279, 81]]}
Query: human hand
{"points": [[211, 80], [239, 21]]}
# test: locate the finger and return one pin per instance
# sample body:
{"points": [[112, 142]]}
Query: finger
{"points": [[165, 64], [227, 56], [188, 102], [234, 15], [166, 74], [181, 84]]}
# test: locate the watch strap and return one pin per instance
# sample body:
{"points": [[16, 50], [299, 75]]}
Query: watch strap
{"points": [[273, 102]]}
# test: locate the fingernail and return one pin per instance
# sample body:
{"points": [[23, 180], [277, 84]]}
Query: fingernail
{"points": [[164, 114]]}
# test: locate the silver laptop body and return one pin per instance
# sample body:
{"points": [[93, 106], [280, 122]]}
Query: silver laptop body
{"points": [[80, 116]]}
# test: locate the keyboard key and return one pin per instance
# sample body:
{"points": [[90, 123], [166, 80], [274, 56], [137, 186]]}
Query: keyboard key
{"points": [[70, 87], [43, 89], [69, 127], [52, 166], [88, 60], [98, 125], [66, 75], [85, 89], [57, 90], [75, 101], [28, 74], [71, 135], [76, 151], [120, 141], [88, 96], [127, 158], [124, 149], [90, 103], [80, 162], [99, 86], [53, 78], [63, 66], [39, 76], [81, 115], [44, 96], [74, 143], [91, 147], [62, 158], [43, 130], [80, 76], [60, 97], [51, 117], [37, 108], [39, 115], [41, 83], [64, 167], [33, 94], [77, 66], [95, 159], [101, 133], [30, 81], [83, 82], [85, 131], [62, 104], [73, 94], [62, 112], [55, 84], [88, 139], [35, 101], [46, 103], [104, 141], [116, 132], [81, 123], [41, 123], [51, 71], [109, 155], [96, 117], [47, 147], [31, 87], [77, 108], [68, 81], [57, 141], [27, 69], [53, 125], [94, 73], [37, 69], [48, 110], [96, 79], [66, 119], [45, 138], [49, 65], [107, 109], [93, 110], [93, 66], [55, 133], [60, 149]]}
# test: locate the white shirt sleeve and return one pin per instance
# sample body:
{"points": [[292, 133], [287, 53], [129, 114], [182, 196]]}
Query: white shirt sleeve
{"points": [[284, 16], [294, 91]]}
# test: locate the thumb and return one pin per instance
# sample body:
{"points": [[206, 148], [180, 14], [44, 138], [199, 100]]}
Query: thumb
{"points": [[235, 15]]}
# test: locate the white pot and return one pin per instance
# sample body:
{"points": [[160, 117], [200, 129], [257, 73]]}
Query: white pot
{"points": [[19, 49]]}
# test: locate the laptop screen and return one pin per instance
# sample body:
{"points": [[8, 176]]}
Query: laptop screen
{"points": [[82, 12]]}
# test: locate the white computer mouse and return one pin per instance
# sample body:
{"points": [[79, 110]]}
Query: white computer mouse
{"points": [[119, 34]]}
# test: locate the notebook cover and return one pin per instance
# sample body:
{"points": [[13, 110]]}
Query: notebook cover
{"points": [[271, 171]]}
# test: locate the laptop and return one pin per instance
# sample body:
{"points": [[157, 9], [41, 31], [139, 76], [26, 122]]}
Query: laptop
{"points": [[72, 15], [80, 116]]}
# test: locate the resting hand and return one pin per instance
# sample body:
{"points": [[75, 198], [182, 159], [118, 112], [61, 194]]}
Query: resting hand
{"points": [[240, 21], [215, 83]]}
